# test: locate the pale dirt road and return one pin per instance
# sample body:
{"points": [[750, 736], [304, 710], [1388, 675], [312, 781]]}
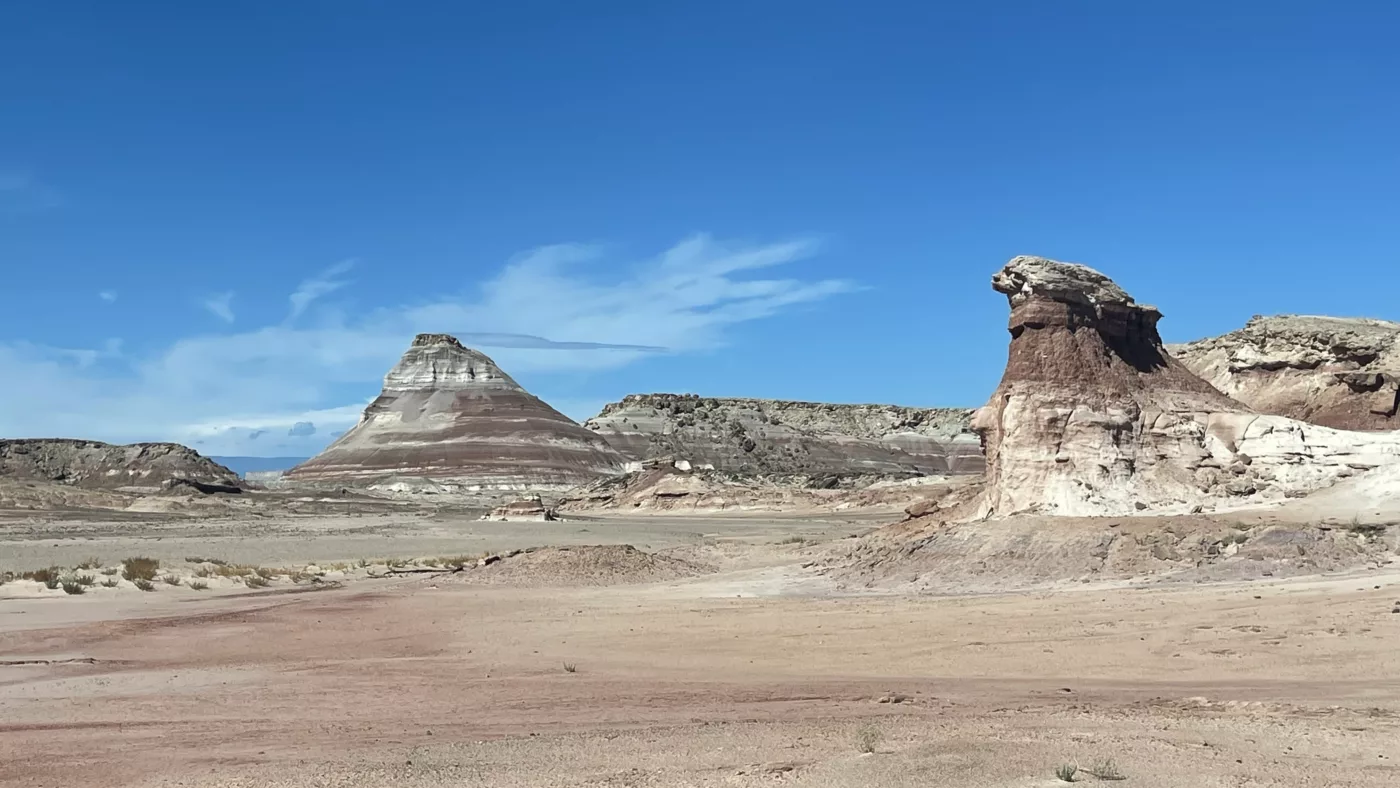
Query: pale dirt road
{"points": [[432, 682]]}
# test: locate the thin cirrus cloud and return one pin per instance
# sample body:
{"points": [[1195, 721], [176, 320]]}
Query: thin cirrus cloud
{"points": [[557, 310], [328, 281], [110, 296], [220, 305]]}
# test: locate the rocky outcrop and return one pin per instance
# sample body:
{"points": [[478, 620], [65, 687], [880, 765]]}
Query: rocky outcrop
{"points": [[450, 416], [525, 509], [104, 466], [1337, 372], [761, 436], [1093, 417]]}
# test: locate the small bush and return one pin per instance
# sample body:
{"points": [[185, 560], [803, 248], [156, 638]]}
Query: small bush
{"points": [[111, 570], [1106, 769], [256, 581], [570, 667], [73, 587], [51, 581], [198, 585], [197, 560], [867, 738], [144, 584], [43, 575], [171, 580], [90, 563], [134, 569], [85, 580], [362, 563], [110, 582], [1368, 530], [1066, 771], [264, 573], [794, 540]]}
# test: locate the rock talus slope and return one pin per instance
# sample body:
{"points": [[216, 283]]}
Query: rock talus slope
{"points": [[741, 435], [1337, 372], [450, 414], [1093, 417], [97, 465]]}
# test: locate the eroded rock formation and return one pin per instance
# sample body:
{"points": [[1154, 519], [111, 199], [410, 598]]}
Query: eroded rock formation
{"points": [[779, 437], [1337, 372], [97, 465], [1093, 416], [449, 414]]}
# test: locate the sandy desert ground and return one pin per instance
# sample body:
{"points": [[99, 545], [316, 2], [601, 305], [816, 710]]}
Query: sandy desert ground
{"points": [[736, 661]]}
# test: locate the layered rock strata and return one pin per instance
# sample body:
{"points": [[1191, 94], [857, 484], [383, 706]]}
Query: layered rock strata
{"points": [[1337, 372], [761, 436], [97, 465], [449, 414], [1094, 417]]}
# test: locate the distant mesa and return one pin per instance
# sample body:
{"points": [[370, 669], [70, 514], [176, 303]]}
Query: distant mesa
{"points": [[450, 415], [762, 436], [1094, 417], [104, 466], [1332, 371]]}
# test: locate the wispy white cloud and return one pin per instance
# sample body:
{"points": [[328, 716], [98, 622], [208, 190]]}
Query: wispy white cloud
{"points": [[324, 283], [108, 295], [556, 310], [220, 305]]}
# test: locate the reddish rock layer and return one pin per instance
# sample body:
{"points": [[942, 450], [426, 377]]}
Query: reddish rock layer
{"points": [[449, 414]]}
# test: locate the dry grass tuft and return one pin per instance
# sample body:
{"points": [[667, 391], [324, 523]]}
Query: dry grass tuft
{"points": [[73, 587], [85, 580], [110, 582], [1106, 769], [90, 563], [570, 667], [198, 585], [171, 580], [198, 560], [144, 584], [256, 581], [1065, 772], [134, 569], [867, 738]]}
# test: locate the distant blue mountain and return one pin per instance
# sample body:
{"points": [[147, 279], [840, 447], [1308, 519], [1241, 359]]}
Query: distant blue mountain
{"points": [[242, 465]]}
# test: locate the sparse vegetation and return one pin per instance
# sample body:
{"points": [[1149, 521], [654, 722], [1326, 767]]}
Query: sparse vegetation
{"points": [[867, 738], [198, 585], [1368, 530], [51, 581], [431, 561], [85, 580], [90, 563], [73, 587], [171, 580], [1065, 772], [570, 667], [110, 582], [144, 584], [111, 570], [198, 560], [362, 563], [44, 576], [794, 539], [1106, 769], [264, 572], [256, 581], [134, 569]]}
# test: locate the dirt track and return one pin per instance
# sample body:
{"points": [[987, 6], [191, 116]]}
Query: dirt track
{"points": [[441, 682]]}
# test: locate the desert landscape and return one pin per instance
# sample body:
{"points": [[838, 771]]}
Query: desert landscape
{"points": [[1114, 571]]}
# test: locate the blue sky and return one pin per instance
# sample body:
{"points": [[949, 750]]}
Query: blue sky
{"points": [[222, 223]]}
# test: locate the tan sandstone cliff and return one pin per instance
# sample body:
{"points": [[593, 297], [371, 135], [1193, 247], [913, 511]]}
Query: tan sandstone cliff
{"points": [[1093, 417], [1337, 372], [450, 416]]}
